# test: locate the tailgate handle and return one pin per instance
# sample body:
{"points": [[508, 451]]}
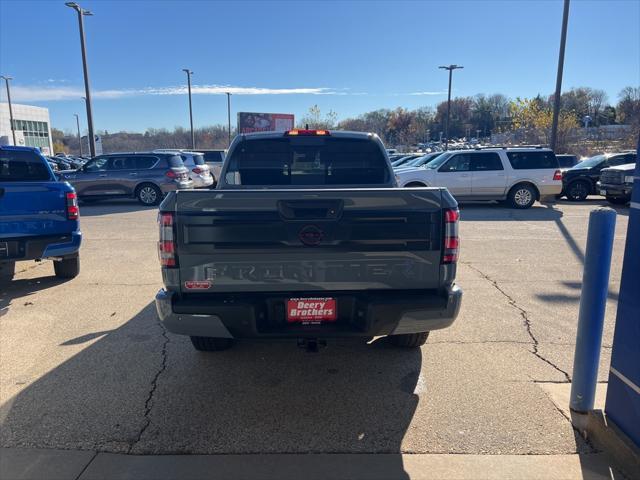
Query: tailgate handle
{"points": [[310, 209]]}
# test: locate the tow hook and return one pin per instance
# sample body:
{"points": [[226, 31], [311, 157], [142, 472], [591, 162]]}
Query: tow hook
{"points": [[311, 344]]}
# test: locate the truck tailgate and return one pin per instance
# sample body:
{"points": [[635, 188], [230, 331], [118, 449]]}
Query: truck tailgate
{"points": [[308, 240], [33, 208]]}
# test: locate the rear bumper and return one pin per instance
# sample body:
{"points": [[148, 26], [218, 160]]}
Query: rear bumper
{"points": [[35, 247], [622, 190], [360, 314]]}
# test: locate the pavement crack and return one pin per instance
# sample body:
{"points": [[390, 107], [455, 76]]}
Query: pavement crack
{"points": [[95, 454], [148, 404], [525, 318]]}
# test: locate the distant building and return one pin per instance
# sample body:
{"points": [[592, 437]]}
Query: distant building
{"points": [[32, 127]]}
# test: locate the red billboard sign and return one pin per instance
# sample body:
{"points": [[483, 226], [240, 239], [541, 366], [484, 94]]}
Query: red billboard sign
{"points": [[249, 122]]}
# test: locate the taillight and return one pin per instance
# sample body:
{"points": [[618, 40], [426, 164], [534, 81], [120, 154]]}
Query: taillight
{"points": [[557, 175], [171, 174], [451, 241], [198, 170], [72, 206], [167, 243]]}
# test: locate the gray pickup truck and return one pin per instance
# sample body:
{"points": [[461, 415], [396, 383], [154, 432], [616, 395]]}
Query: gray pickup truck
{"points": [[308, 237]]}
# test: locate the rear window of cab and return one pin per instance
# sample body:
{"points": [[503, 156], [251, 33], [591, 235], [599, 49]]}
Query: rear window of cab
{"points": [[532, 160], [22, 166]]}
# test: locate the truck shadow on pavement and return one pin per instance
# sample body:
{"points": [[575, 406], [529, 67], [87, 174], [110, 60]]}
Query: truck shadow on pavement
{"points": [[21, 289], [139, 389]]}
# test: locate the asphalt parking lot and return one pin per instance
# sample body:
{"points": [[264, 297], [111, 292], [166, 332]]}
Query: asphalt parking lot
{"points": [[86, 365]]}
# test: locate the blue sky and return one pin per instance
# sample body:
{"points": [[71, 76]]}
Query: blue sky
{"points": [[350, 57]]}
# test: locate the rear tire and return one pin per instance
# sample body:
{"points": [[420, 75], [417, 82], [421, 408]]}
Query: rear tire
{"points": [[68, 267], [522, 196], [578, 191], [410, 340], [7, 270], [148, 194], [618, 200], [211, 344]]}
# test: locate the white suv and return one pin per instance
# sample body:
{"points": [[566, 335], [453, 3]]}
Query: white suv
{"points": [[519, 175], [199, 171]]}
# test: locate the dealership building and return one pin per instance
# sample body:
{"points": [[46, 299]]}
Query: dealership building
{"points": [[32, 127]]}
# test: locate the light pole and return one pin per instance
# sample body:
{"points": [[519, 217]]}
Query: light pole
{"points": [[229, 117], [556, 98], [451, 68], [79, 137], [81, 13], [13, 130], [193, 138]]}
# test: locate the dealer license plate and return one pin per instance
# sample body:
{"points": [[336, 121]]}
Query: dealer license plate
{"points": [[311, 311]]}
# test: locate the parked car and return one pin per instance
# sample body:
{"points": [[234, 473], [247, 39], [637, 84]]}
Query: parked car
{"points": [[580, 181], [214, 158], [417, 162], [567, 161], [616, 183], [406, 159], [519, 175], [147, 176], [199, 171], [306, 237], [38, 214]]}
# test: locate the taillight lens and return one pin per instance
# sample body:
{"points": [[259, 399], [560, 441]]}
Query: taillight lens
{"points": [[197, 170], [557, 175], [73, 212], [171, 174], [167, 243], [451, 245]]}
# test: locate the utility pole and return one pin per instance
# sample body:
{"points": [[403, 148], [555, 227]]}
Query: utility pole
{"points": [[13, 128], [193, 138], [229, 117], [556, 98], [451, 68], [81, 14], [79, 137]]}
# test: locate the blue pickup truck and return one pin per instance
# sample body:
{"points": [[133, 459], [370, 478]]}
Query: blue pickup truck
{"points": [[38, 214]]}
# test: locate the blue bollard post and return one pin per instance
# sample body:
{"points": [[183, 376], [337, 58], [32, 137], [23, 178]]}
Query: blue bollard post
{"points": [[593, 299]]}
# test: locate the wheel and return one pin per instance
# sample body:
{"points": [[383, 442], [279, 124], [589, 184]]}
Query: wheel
{"points": [[211, 344], [68, 267], [415, 185], [148, 194], [522, 196], [410, 340], [578, 191], [7, 270], [617, 200]]}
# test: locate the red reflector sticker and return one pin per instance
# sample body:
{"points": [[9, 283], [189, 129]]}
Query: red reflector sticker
{"points": [[311, 311], [197, 284]]}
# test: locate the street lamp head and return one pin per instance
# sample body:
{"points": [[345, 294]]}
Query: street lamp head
{"points": [[87, 13], [6, 77], [73, 5], [187, 71]]}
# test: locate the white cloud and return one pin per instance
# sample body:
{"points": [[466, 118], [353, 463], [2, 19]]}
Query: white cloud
{"points": [[44, 94]]}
